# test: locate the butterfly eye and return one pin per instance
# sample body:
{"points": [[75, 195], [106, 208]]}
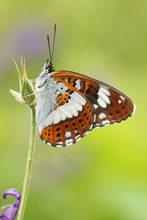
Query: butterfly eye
{"points": [[48, 66]]}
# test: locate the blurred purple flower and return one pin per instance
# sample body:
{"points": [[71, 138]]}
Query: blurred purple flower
{"points": [[12, 210]]}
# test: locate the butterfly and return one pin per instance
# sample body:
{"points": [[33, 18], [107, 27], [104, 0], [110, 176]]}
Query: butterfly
{"points": [[69, 104]]}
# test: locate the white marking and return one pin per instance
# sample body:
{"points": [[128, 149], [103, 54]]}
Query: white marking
{"points": [[94, 117], [134, 109], [78, 86], [78, 98], [122, 98], [78, 106], [60, 142], [104, 97], [56, 117], [59, 145], [76, 131], [105, 122], [64, 108], [105, 91], [97, 125], [67, 134], [66, 80], [68, 110], [72, 108], [95, 106], [115, 123], [63, 117], [101, 103], [68, 141], [86, 133], [78, 139], [91, 126], [77, 136], [69, 144], [119, 101], [102, 115]]}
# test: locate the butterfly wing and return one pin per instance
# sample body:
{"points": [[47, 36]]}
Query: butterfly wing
{"points": [[70, 121], [86, 104]]}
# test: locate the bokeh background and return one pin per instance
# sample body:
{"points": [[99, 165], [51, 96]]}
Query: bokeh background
{"points": [[104, 176]]}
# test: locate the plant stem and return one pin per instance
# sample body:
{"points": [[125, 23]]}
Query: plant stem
{"points": [[28, 170]]}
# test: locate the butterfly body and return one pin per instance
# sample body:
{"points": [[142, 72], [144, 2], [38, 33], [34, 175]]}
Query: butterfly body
{"points": [[69, 105]]}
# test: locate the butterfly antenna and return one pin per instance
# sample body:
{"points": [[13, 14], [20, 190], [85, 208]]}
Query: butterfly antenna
{"points": [[52, 53], [49, 48]]}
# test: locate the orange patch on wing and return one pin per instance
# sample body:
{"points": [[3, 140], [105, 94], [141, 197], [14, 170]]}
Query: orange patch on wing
{"points": [[77, 126]]}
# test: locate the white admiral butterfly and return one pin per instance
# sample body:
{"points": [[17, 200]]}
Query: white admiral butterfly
{"points": [[69, 104]]}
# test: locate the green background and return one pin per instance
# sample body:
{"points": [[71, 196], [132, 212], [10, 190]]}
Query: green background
{"points": [[103, 176]]}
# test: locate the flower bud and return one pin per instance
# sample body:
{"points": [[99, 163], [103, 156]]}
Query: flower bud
{"points": [[27, 93]]}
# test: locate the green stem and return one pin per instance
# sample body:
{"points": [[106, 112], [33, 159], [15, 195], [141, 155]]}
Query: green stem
{"points": [[28, 170]]}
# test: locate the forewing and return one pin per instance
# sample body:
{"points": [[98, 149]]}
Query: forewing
{"points": [[110, 105]]}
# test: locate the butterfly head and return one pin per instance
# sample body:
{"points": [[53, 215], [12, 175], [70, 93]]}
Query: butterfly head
{"points": [[48, 67]]}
